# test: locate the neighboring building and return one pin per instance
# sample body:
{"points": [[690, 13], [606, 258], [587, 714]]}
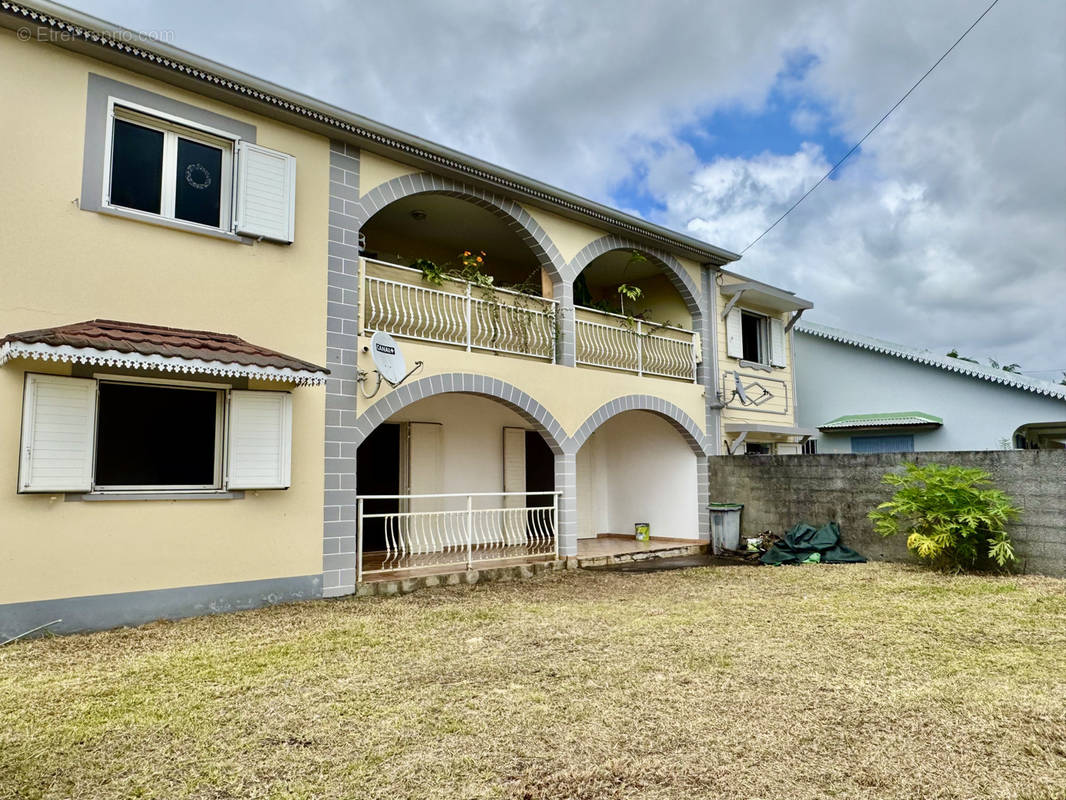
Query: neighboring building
{"points": [[187, 249], [865, 395]]}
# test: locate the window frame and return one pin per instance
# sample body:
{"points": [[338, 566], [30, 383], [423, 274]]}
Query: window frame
{"points": [[763, 344], [172, 127], [221, 436]]}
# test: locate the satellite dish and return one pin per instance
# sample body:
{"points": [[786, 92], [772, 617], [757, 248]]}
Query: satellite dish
{"points": [[740, 392], [388, 358]]}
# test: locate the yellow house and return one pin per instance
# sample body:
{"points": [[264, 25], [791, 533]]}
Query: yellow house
{"points": [[190, 253]]}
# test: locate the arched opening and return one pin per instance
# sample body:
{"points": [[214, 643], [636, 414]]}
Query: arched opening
{"points": [[630, 315], [440, 227], [637, 468], [1040, 436], [458, 271], [451, 480], [597, 287]]}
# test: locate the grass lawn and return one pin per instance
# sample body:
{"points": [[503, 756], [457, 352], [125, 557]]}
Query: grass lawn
{"points": [[865, 681]]}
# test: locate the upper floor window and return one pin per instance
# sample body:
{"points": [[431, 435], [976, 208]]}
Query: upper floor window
{"points": [[755, 338], [186, 168], [177, 172]]}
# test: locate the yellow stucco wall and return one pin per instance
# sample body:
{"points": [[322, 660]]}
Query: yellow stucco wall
{"points": [[62, 265], [375, 170], [570, 394], [570, 237]]}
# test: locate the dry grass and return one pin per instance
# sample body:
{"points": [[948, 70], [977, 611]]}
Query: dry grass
{"points": [[812, 682]]}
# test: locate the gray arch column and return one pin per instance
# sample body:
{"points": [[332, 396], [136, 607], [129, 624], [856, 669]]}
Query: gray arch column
{"points": [[517, 219]]}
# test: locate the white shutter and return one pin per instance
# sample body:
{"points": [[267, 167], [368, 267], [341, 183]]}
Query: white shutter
{"points": [[58, 422], [777, 343], [734, 335], [259, 447], [266, 193], [514, 465], [425, 450]]}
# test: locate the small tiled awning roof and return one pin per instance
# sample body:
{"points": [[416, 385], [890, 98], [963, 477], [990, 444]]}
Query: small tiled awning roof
{"points": [[136, 346], [900, 419]]}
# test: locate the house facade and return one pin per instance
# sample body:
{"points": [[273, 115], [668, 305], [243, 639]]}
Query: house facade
{"points": [[203, 278], [866, 395]]}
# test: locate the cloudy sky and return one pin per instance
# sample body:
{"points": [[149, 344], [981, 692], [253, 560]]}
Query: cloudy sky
{"points": [[947, 229]]}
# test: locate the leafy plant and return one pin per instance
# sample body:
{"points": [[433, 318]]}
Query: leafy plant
{"points": [[524, 309], [431, 271], [952, 519], [625, 290]]}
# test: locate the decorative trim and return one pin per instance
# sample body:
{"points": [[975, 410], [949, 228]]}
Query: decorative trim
{"points": [[682, 422], [671, 267], [510, 396], [931, 360], [115, 358]]}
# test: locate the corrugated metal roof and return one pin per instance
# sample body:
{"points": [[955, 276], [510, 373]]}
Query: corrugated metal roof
{"points": [[929, 358], [890, 420]]}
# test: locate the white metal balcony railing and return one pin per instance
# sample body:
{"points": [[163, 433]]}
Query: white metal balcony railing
{"points": [[645, 348], [415, 539], [500, 321]]}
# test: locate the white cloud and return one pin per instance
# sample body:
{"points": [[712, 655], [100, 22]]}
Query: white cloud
{"points": [[947, 229]]}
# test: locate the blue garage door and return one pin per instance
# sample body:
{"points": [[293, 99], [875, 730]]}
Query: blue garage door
{"points": [[882, 444]]}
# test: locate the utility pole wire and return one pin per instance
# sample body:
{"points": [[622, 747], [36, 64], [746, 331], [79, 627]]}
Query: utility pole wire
{"points": [[874, 128]]}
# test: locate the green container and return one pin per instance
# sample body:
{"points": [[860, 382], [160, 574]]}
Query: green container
{"points": [[642, 531]]}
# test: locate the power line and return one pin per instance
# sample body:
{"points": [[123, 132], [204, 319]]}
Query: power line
{"points": [[874, 128]]}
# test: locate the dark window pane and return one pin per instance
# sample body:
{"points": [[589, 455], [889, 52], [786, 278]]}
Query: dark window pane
{"points": [[882, 444], [750, 331], [199, 183], [155, 436], [136, 166]]}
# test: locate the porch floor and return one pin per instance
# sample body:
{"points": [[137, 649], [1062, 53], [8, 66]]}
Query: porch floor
{"points": [[604, 549]]}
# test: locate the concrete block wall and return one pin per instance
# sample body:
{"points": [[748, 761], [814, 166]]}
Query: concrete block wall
{"points": [[779, 491]]}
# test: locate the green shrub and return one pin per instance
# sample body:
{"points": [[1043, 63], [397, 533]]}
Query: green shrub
{"points": [[952, 519]]}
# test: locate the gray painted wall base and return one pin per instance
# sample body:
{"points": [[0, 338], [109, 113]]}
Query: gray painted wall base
{"points": [[102, 611]]}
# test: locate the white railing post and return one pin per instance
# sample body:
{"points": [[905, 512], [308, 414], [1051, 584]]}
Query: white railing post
{"points": [[469, 531], [640, 348], [469, 327], [359, 541], [555, 522]]}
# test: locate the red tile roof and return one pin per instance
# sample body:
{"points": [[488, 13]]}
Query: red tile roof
{"points": [[132, 337]]}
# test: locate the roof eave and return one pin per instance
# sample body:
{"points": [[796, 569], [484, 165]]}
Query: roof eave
{"points": [[99, 37]]}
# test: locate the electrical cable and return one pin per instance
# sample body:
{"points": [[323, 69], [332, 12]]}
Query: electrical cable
{"points": [[874, 128]]}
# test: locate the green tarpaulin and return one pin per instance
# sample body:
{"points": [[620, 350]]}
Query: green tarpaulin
{"points": [[805, 541]]}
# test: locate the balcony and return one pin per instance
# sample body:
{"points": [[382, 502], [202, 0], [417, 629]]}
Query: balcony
{"points": [[397, 300], [611, 341]]}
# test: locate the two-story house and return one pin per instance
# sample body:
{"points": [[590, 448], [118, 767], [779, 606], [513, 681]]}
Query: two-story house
{"points": [[190, 253]]}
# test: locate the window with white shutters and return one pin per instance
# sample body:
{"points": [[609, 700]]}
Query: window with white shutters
{"points": [[121, 435], [160, 166], [58, 419]]}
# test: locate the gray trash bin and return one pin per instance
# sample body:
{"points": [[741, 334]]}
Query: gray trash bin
{"points": [[725, 526]]}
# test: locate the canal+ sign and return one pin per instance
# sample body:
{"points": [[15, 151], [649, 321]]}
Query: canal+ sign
{"points": [[387, 357]]}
